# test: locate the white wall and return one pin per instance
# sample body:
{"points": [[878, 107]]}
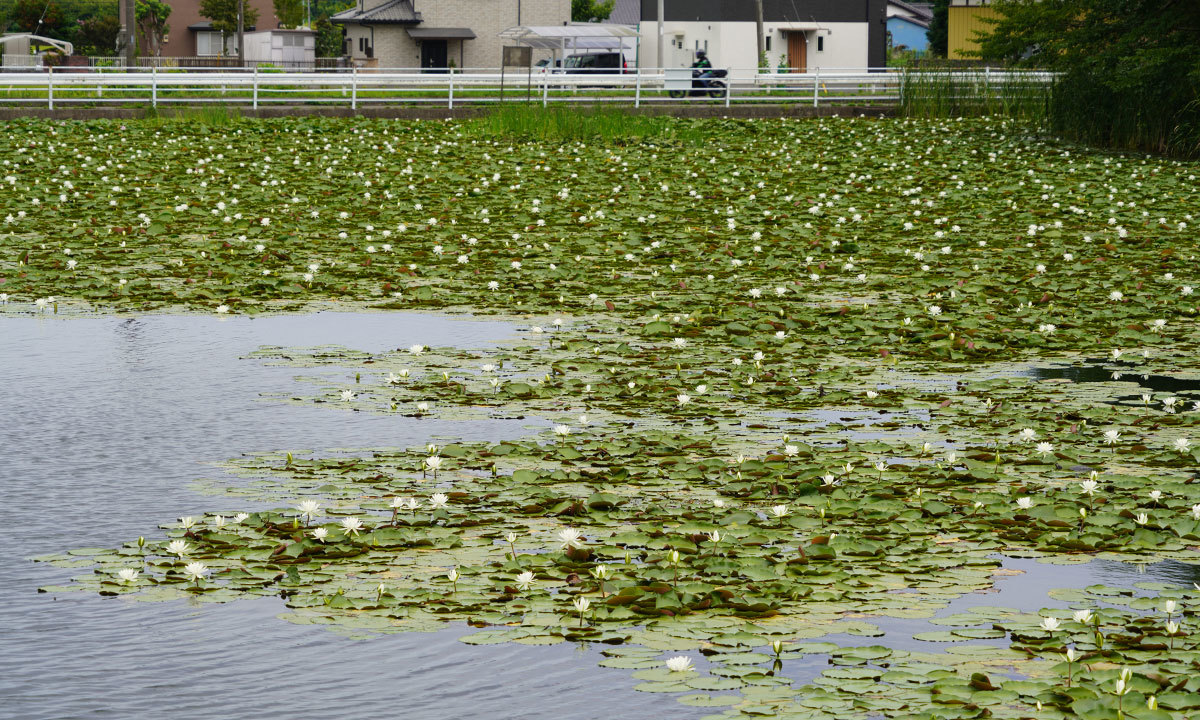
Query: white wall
{"points": [[734, 45]]}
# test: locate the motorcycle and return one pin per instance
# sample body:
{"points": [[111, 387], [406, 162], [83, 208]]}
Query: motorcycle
{"points": [[708, 82]]}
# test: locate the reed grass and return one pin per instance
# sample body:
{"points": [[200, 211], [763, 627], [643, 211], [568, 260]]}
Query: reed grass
{"points": [[942, 93]]}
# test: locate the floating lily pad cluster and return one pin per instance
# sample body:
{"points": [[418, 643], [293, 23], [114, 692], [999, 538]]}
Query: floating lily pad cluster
{"points": [[806, 378]]}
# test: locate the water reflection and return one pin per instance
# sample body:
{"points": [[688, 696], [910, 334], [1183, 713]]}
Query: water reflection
{"points": [[1100, 373]]}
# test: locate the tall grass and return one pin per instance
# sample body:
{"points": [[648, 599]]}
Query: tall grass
{"points": [[1162, 118], [963, 93], [560, 124], [212, 115]]}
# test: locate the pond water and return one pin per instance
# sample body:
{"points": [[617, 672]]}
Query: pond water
{"points": [[109, 422]]}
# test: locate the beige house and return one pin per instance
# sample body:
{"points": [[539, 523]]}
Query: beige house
{"points": [[436, 34]]}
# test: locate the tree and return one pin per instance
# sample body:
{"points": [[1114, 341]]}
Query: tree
{"points": [[290, 13], [97, 35], [591, 10], [329, 38], [1129, 69], [224, 15], [39, 17], [151, 16], [938, 32]]}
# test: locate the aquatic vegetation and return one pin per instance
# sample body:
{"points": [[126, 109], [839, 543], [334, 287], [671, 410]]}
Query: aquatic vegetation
{"points": [[784, 386]]}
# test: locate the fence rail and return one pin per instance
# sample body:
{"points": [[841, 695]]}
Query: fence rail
{"points": [[256, 87]]}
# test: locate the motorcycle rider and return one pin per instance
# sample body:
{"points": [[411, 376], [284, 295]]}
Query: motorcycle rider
{"points": [[702, 61]]}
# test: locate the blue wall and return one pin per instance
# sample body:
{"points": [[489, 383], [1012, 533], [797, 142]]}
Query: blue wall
{"points": [[907, 33]]}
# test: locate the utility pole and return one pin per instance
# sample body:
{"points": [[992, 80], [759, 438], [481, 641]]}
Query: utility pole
{"points": [[661, 34], [759, 26], [241, 31], [129, 31]]}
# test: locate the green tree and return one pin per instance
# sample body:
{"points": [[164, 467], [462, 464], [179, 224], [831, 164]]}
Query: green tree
{"points": [[289, 12], [938, 32], [152, 25], [97, 35], [224, 15], [1129, 69], [591, 10], [329, 38], [40, 17]]}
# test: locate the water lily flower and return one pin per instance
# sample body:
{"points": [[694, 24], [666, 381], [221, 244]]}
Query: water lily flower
{"points": [[1141, 518], [1049, 624], [196, 571], [680, 664], [452, 576], [1170, 606], [187, 523], [178, 547], [433, 462], [1088, 487], [1082, 616], [1045, 448], [128, 575], [422, 407], [1172, 627], [701, 389], [570, 538], [416, 349], [779, 511], [1027, 435], [581, 604], [525, 580], [1181, 445], [683, 399], [437, 500], [308, 509], [1111, 437], [240, 517], [1196, 511], [347, 395], [222, 309], [1155, 495], [1025, 503], [714, 536], [871, 394], [790, 450], [562, 431], [352, 525], [320, 534], [718, 503]]}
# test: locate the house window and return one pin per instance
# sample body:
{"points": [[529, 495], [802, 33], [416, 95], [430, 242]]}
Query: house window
{"points": [[768, 43], [820, 43], [208, 44]]}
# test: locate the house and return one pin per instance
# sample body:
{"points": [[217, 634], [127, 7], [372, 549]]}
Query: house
{"points": [[965, 17], [907, 24], [192, 35], [799, 35], [438, 34], [625, 12]]}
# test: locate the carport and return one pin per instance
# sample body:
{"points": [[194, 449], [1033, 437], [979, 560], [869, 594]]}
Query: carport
{"points": [[561, 39]]}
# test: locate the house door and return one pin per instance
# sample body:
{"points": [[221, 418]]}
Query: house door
{"points": [[798, 51], [434, 55]]}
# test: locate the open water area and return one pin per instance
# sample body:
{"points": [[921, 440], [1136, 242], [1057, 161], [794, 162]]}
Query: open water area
{"points": [[108, 423]]}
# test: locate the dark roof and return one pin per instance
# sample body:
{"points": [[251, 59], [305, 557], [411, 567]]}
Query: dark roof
{"points": [[394, 12], [424, 33], [626, 12], [921, 10], [919, 22]]}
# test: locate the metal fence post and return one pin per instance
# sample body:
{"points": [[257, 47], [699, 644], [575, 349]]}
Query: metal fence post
{"points": [[637, 93], [254, 103], [728, 89], [546, 86], [450, 103], [816, 86], [354, 88], [50, 85], [154, 86]]}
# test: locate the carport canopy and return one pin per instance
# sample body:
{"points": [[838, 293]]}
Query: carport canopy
{"points": [[563, 38]]}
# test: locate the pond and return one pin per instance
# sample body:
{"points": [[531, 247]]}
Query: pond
{"points": [[123, 415]]}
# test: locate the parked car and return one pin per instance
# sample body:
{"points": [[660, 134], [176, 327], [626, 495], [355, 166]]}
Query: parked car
{"points": [[600, 63]]}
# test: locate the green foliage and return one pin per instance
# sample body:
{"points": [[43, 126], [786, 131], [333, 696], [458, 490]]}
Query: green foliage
{"points": [[44, 18], [947, 93], [329, 38], [558, 124], [939, 28], [151, 18], [289, 12], [591, 10], [224, 14], [1130, 68], [97, 35]]}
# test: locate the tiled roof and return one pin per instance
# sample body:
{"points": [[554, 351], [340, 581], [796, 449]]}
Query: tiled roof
{"points": [[626, 12], [396, 11]]}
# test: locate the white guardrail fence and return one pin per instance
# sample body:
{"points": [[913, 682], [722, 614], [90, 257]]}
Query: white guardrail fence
{"points": [[356, 87]]}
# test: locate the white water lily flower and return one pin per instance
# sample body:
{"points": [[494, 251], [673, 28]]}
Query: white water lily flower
{"points": [[562, 430], [525, 580], [1181, 445], [1082, 616], [790, 450], [1111, 437], [178, 547], [1025, 503], [1045, 448], [352, 525], [433, 462], [1088, 487], [196, 570], [347, 395], [581, 604], [680, 664], [416, 349], [779, 511], [683, 399], [1049, 624], [570, 538], [437, 500], [1141, 518], [308, 508], [128, 575], [1027, 435], [320, 534]]}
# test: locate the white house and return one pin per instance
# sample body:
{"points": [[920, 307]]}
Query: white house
{"points": [[799, 35]]}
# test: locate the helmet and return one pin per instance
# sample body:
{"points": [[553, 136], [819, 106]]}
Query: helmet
{"points": [[700, 54]]}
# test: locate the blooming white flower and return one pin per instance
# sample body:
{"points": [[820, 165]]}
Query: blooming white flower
{"points": [[438, 500], [1045, 448], [1049, 624], [525, 580], [1181, 445], [1088, 487], [308, 508], [195, 570], [570, 538], [1027, 435], [680, 664], [779, 511], [1025, 503], [178, 547], [320, 534], [128, 575], [352, 525]]}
